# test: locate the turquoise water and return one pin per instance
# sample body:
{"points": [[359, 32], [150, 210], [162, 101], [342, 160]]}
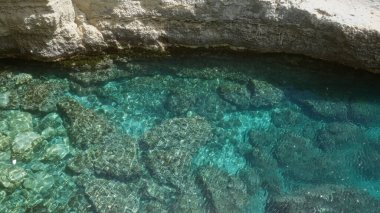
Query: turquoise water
{"points": [[206, 132]]}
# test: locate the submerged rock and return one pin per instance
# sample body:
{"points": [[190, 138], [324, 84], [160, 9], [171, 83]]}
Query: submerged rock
{"points": [[97, 71], [225, 193], [263, 160], [52, 120], [164, 194], [22, 78], [180, 101], [4, 99], [42, 95], [40, 182], [222, 156], [118, 159], [171, 146], [257, 94], [15, 122], [5, 142], [368, 162], [337, 135], [295, 154], [325, 198], [85, 127], [191, 200], [56, 152], [5, 157], [264, 94], [366, 112], [11, 176], [24, 144], [334, 109], [107, 149], [111, 196], [235, 94]]}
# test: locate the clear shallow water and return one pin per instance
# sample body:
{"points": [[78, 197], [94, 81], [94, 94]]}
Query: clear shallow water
{"points": [[194, 133]]}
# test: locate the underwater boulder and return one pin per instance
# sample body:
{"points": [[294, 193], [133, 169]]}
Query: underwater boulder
{"points": [[170, 147], [111, 196], [107, 149], [330, 108], [368, 162], [263, 160], [4, 99], [14, 122], [92, 71], [117, 158], [56, 152], [153, 206], [164, 198], [52, 120], [338, 134], [42, 95], [5, 156], [293, 120], [40, 182], [11, 176], [295, 154], [49, 190], [85, 127], [96, 76], [191, 200], [365, 112], [324, 198], [24, 144], [3, 195], [14, 202], [236, 94], [179, 102], [9, 99], [264, 94], [286, 118], [81, 164], [5, 142], [225, 193], [21, 79], [51, 126], [153, 191]]}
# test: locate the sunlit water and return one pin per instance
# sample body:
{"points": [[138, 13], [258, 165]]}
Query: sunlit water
{"points": [[194, 133]]}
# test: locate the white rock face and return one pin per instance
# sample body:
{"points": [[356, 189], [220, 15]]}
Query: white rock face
{"points": [[346, 31]]}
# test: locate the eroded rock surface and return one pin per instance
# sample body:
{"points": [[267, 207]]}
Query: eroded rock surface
{"points": [[334, 30]]}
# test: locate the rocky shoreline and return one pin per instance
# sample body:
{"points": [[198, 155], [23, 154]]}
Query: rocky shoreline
{"points": [[335, 30]]}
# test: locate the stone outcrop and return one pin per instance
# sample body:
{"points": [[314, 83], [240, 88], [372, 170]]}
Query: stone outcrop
{"points": [[337, 30]]}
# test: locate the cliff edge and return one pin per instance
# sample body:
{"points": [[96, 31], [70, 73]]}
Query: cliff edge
{"points": [[344, 31]]}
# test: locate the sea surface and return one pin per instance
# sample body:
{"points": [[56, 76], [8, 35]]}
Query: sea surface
{"points": [[189, 132]]}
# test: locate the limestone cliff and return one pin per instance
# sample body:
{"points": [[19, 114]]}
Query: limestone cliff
{"points": [[338, 30]]}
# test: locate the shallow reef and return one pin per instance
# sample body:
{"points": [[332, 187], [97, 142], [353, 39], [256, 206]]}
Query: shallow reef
{"points": [[206, 132]]}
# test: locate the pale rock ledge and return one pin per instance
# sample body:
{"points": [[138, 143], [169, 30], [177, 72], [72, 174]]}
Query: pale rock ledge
{"points": [[344, 31]]}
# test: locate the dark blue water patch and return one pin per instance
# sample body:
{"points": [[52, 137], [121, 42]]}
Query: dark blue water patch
{"points": [[194, 132]]}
